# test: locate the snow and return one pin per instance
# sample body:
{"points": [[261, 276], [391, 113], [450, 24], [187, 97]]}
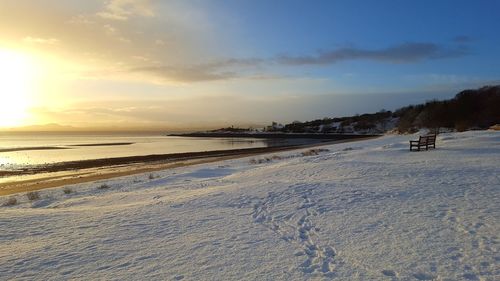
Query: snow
{"points": [[365, 210]]}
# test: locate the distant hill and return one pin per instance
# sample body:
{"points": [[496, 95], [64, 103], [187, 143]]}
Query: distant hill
{"points": [[469, 109], [52, 127]]}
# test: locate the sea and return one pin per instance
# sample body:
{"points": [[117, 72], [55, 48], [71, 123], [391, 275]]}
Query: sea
{"points": [[23, 149]]}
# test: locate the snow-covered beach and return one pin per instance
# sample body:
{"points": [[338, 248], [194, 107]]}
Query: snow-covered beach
{"points": [[367, 210]]}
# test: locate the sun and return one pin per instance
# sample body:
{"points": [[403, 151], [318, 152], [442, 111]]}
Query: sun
{"points": [[16, 87]]}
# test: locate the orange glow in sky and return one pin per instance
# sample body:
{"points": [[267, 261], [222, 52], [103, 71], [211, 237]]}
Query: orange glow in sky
{"points": [[136, 64]]}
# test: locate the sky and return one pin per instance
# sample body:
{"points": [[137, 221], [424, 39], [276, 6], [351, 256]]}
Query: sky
{"points": [[211, 63]]}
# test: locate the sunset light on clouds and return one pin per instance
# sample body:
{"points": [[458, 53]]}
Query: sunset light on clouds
{"points": [[191, 64]]}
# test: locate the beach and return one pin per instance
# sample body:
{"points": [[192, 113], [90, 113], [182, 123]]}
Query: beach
{"points": [[73, 172], [364, 210], [249, 140]]}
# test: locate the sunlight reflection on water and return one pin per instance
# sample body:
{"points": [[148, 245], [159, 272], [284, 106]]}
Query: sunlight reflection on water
{"points": [[43, 149]]}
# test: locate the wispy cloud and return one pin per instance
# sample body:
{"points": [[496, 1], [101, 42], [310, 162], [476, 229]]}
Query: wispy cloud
{"points": [[217, 70], [38, 40], [195, 73], [124, 9], [230, 68], [179, 46], [403, 53]]}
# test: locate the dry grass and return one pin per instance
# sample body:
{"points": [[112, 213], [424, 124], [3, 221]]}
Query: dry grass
{"points": [[314, 151], [310, 152], [103, 186], [10, 202], [33, 195], [265, 159]]}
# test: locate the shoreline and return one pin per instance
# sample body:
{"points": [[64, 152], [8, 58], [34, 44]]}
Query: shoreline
{"points": [[32, 148], [128, 160], [69, 146], [103, 144], [66, 173], [332, 137]]}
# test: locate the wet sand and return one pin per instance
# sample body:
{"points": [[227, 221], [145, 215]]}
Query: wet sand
{"points": [[31, 148], [65, 173], [104, 144], [14, 149]]}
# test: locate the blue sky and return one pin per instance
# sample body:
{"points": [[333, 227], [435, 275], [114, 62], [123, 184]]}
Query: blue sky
{"points": [[212, 63], [306, 28]]}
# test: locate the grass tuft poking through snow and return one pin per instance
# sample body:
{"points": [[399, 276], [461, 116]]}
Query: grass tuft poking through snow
{"points": [[104, 186], [314, 151], [10, 202], [33, 195], [276, 157]]}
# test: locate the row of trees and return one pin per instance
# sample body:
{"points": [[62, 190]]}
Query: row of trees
{"points": [[469, 109]]}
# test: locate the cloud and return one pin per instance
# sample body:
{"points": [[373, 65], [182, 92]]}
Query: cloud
{"points": [[217, 70], [159, 42], [183, 45], [194, 73], [37, 40], [81, 20], [124, 9], [238, 67], [112, 32], [109, 29], [141, 58], [403, 53]]}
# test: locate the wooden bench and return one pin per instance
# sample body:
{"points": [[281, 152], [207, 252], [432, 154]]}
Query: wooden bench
{"points": [[428, 141]]}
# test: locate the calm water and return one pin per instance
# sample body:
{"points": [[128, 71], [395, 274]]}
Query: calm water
{"points": [[145, 144]]}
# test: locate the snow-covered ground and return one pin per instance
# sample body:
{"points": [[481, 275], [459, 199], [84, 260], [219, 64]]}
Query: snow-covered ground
{"points": [[367, 210]]}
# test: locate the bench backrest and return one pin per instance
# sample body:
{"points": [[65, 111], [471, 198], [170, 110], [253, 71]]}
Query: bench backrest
{"points": [[431, 138], [427, 139]]}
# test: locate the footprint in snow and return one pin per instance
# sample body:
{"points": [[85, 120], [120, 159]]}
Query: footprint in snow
{"points": [[423, 276], [389, 273], [470, 276]]}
